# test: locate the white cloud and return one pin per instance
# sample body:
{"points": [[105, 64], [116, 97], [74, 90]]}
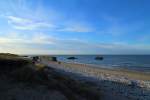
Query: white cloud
{"points": [[32, 24], [17, 48], [35, 38], [27, 24], [50, 45], [76, 27], [18, 20], [43, 39]]}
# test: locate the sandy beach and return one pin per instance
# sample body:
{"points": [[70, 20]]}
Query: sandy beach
{"points": [[116, 72], [102, 73], [49, 79], [129, 85]]}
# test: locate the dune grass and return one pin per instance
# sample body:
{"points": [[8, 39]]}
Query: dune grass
{"points": [[22, 70]]}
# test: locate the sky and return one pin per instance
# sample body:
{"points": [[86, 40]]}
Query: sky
{"points": [[75, 26]]}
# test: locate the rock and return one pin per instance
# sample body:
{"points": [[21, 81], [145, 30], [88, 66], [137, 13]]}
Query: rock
{"points": [[72, 58], [35, 58], [53, 58], [133, 83], [48, 58], [99, 58]]}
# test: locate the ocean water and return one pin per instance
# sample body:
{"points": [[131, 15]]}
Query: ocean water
{"points": [[130, 62]]}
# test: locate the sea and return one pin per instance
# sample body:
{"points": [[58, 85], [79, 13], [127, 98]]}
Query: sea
{"points": [[130, 62]]}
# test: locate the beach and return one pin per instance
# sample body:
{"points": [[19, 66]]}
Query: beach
{"points": [[45, 78], [127, 84]]}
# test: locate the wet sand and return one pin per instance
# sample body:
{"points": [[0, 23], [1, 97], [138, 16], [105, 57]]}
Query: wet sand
{"points": [[117, 72], [89, 69]]}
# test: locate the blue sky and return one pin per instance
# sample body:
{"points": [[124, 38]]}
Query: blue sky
{"points": [[75, 26]]}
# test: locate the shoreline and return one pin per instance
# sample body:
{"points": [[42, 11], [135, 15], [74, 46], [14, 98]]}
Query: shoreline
{"points": [[145, 76], [111, 83], [108, 67], [140, 79]]}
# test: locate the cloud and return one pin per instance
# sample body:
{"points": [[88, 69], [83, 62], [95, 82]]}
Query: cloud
{"points": [[35, 38], [18, 20], [43, 39], [51, 45], [76, 27], [27, 24], [32, 24], [17, 48]]}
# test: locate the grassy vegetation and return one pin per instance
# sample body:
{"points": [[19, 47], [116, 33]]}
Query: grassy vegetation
{"points": [[10, 62], [39, 66], [49, 58], [73, 89], [23, 70], [7, 56]]}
